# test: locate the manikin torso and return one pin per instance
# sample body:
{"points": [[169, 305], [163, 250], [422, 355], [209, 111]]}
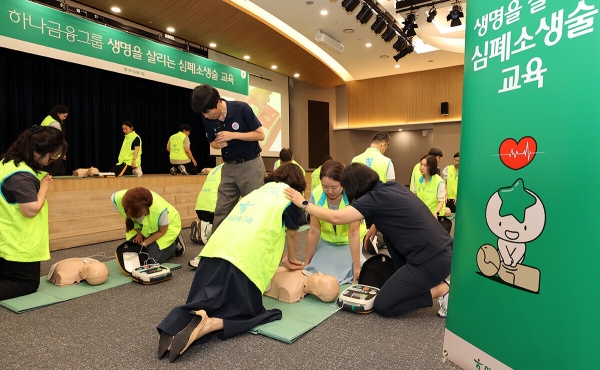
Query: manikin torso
{"points": [[291, 286]]}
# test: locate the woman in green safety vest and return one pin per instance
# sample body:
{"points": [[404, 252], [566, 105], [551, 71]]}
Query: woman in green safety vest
{"points": [[151, 222], [130, 156], [236, 266], [431, 188], [334, 249], [24, 237], [56, 118]]}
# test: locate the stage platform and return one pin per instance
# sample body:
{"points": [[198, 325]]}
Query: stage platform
{"points": [[81, 213]]}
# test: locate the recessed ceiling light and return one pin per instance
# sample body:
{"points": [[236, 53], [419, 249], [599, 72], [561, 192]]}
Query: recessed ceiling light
{"points": [[309, 2], [368, 44], [398, 130], [348, 30], [431, 61], [323, 12], [397, 66], [296, 75], [116, 9], [246, 57], [384, 56], [273, 67], [212, 45], [170, 29]]}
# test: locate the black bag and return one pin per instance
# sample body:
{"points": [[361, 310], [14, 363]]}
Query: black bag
{"points": [[376, 270]]}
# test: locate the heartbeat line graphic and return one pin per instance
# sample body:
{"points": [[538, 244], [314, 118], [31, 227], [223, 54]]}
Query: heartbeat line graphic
{"points": [[515, 153]]}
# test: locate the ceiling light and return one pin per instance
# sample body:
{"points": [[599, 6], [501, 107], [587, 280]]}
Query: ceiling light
{"points": [[410, 24], [323, 12], [170, 29], [296, 75], [407, 50], [348, 30], [116, 9], [397, 66], [368, 44], [212, 45], [400, 44], [246, 57], [389, 34], [350, 5], [364, 14], [273, 67], [455, 14], [431, 14], [379, 25]]}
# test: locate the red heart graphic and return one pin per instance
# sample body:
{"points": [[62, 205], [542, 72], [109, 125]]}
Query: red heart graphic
{"points": [[518, 155]]}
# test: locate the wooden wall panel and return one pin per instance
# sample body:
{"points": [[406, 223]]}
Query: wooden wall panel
{"points": [[406, 99]]}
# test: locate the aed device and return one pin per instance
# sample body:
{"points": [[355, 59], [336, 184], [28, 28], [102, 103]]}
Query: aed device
{"points": [[358, 298], [151, 274]]}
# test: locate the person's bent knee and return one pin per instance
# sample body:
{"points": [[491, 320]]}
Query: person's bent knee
{"points": [[31, 287], [385, 309]]}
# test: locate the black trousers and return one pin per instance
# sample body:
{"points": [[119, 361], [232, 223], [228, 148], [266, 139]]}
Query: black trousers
{"points": [[122, 170], [18, 278], [206, 216]]}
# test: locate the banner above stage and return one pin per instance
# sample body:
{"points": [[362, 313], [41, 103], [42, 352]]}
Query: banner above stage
{"points": [[37, 29]]}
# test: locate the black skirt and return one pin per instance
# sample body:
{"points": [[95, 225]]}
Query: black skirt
{"points": [[223, 291]]}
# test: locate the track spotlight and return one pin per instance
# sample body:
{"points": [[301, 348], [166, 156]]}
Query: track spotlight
{"points": [[432, 14], [404, 52], [350, 5], [400, 44], [379, 25], [388, 34], [410, 24], [455, 14], [364, 14]]}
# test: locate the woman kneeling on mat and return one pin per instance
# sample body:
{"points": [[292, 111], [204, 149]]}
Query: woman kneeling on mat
{"points": [[419, 246], [24, 238], [151, 222], [236, 266]]}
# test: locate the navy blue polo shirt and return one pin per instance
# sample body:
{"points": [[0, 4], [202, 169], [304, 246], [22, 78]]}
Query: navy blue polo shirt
{"points": [[240, 118], [405, 221]]}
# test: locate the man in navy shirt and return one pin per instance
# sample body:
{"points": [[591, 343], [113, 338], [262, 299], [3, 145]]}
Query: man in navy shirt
{"points": [[232, 127]]}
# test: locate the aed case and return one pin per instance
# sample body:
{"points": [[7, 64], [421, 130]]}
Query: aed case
{"points": [[358, 298], [133, 261]]}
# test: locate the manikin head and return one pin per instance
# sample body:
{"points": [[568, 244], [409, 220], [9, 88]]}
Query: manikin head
{"points": [[95, 273], [325, 287]]}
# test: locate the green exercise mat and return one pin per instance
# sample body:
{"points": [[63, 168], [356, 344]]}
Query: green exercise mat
{"points": [[48, 293], [297, 318]]}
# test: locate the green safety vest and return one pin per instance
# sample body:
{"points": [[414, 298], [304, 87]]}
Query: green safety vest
{"points": [[150, 224], [315, 179], [207, 198], [177, 148], [278, 164], [252, 236], [126, 153], [48, 120], [415, 176], [22, 239], [452, 182], [373, 158], [338, 234], [427, 191]]}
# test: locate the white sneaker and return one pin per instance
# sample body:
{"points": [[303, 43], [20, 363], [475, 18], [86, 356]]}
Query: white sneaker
{"points": [[443, 301], [205, 231], [137, 171], [194, 263]]}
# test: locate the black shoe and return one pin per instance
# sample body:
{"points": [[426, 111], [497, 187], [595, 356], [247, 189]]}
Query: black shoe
{"points": [[180, 251], [173, 171]]}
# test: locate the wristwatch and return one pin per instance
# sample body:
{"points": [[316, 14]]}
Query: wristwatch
{"points": [[304, 204]]}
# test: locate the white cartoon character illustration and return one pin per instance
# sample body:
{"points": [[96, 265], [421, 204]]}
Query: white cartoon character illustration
{"points": [[516, 216]]}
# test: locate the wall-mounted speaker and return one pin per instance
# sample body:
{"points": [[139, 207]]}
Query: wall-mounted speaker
{"points": [[444, 108]]}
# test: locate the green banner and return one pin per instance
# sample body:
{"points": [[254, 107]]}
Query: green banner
{"points": [[524, 261], [27, 22]]}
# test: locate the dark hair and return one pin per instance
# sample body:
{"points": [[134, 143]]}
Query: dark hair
{"points": [[56, 110], [134, 201], [456, 155], [436, 152], [423, 157], [204, 98], [332, 169], [357, 180], [286, 155], [128, 124], [290, 174], [41, 139], [432, 168], [381, 136], [325, 158], [185, 127]]}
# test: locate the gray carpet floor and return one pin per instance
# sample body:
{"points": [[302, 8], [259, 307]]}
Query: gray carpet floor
{"points": [[115, 329]]}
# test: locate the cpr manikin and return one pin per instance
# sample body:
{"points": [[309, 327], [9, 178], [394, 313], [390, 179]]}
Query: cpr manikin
{"points": [[85, 172], [291, 286], [73, 270]]}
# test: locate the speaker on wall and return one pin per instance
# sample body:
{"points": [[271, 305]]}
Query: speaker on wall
{"points": [[444, 109]]}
